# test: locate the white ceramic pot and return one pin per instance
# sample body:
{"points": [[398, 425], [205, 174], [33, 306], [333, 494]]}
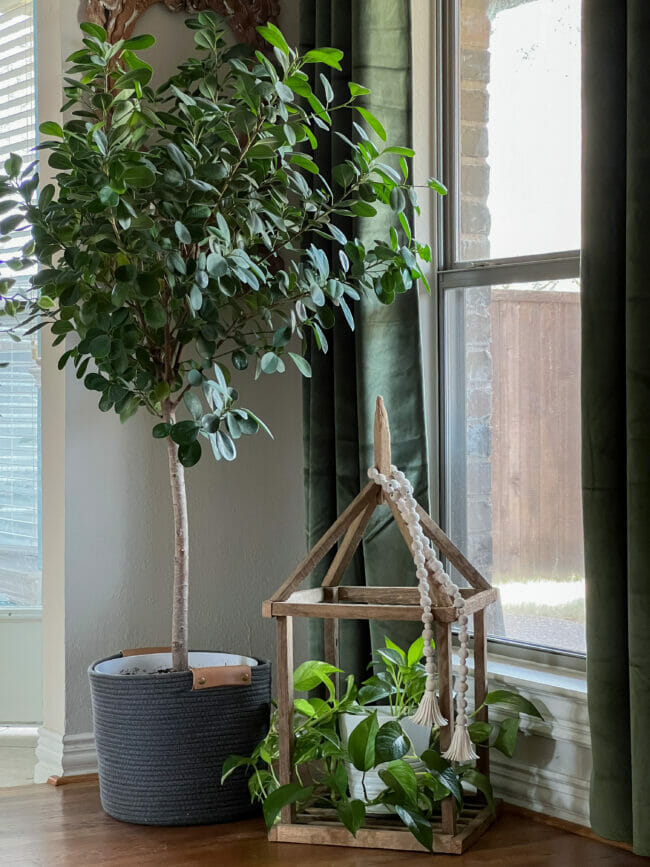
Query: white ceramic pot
{"points": [[418, 735]]}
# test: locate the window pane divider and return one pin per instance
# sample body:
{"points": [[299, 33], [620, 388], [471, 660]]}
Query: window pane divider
{"points": [[525, 269]]}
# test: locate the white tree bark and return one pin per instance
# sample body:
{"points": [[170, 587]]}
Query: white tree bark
{"points": [[181, 554]]}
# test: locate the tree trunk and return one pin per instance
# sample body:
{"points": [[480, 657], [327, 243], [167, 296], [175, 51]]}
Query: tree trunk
{"points": [[181, 553]]}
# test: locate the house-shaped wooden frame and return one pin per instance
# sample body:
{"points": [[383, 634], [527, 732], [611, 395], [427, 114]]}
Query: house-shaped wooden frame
{"points": [[332, 602]]}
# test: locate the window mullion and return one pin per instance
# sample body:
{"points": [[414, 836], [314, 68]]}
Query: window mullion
{"points": [[523, 270]]}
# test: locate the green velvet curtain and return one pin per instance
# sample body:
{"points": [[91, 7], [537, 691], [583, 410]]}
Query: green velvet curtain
{"points": [[382, 356], [616, 411]]}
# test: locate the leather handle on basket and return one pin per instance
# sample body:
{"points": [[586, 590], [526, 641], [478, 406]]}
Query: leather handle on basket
{"points": [[141, 651], [221, 675]]}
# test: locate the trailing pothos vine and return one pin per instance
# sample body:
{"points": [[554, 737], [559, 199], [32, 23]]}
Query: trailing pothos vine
{"points": [[322, 757]]}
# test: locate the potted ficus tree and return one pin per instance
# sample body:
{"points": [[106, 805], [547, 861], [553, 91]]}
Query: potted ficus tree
{"points": [[178, 246]]}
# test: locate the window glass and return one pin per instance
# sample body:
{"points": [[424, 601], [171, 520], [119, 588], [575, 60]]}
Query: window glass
{"points": [[20, 472], [513, 490], [519, 95]]}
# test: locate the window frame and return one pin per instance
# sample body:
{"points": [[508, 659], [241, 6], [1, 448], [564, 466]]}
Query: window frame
{"points": [[28, 132], [453, 273]]}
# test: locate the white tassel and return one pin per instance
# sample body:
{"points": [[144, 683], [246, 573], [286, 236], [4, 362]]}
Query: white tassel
{"points": [[428, 712], [461, 748]]}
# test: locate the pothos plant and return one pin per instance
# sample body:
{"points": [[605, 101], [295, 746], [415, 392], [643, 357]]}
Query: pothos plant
{"points": [[321, 755], [188, 235]]}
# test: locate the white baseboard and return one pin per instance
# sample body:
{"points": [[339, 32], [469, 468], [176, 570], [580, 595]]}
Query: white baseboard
{"points": [[64, 755], [551, 768]]}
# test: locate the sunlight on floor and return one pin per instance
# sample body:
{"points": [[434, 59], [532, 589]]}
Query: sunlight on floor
{"points": [[17, 755]]}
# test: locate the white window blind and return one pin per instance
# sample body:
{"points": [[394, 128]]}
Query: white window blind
{"points": [[20, 472]]}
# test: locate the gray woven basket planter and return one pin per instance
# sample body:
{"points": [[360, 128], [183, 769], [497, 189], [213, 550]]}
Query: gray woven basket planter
{"points": [[161, 745]]}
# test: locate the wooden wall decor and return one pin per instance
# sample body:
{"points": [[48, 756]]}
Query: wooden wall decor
{"points": [[118, 17]]}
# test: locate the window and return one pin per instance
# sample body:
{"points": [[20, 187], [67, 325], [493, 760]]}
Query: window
{"points": [[510, 300], [20, 575]]}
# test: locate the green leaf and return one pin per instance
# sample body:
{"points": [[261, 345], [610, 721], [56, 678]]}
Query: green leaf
{"points": [[141, 75], [13, 165], [363, 209], [139, 177], [160, 431], [161, 391], [311, 673], [9, 224], [259, 422], [46, 195], [232, 763], [51, 128], [389, 656], [282, 797], [404, 152], [513, 701], [480, 782], [305, 163], [216, 265], [372, 122], [100, 346], [193, 404], [182, 233], [361, 743], [189, 454], [99, 137], [94, 30], [269, 362], [184, 432], [352, 814], [397, 200], [395, 647], [479, 732], [418, 825], [108, 197], [415, 652], [391, 743], [372, 693], [400, 777], [154, 313], [506, 739], [95, 382], [443, 771], [304, 707], [357, 89], [437, 186], [273, 36], [239, 360], [284, 92], [328, 56], [225, 445], [302, 364], [138, 43]]}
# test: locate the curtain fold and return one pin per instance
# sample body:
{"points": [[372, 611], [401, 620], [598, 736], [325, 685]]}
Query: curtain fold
{"points": [[383, 354], [616, 411]]}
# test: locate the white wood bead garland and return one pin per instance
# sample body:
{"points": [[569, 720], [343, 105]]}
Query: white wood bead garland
{"points": [[400, 491]]}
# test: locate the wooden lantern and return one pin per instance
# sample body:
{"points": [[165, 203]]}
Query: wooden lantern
{"points": [[332, 602]]}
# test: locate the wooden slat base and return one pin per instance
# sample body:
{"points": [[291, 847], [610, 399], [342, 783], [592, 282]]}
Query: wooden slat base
{"points": [[383, 833]]}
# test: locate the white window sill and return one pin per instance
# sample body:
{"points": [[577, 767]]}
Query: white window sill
{"points": [[20, 615]]}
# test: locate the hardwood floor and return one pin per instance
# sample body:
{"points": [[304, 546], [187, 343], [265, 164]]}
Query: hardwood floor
{"points": [[46, 826]]}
